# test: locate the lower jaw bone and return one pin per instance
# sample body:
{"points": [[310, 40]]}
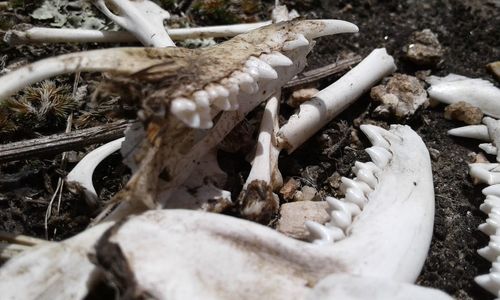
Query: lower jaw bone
{"points": [[194, 255]]}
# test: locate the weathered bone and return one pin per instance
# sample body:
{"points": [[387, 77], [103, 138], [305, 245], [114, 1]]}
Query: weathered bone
{"points": [[328, 103], [475, 91], [144, 19], [204, 255], [77, 35]]}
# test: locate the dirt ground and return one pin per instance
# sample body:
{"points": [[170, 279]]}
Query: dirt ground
{"points": [[469, 32]]}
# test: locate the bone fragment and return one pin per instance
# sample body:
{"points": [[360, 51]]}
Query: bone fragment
{"points": [[475, 91], [489, 148], [329, 102], [81, 175], [488, 173], [77, 35], [144, 19]]}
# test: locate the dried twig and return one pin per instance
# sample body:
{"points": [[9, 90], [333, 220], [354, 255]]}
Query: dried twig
{"points": [[58, 143], [19, 239], [320, 73]]}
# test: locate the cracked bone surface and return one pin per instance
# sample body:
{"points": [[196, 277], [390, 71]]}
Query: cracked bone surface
{"points": [[475, 91], [195, 255], [331, 101], [74, 35], [144, 19]]}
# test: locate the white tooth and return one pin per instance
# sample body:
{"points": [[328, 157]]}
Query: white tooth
{"points": [[489, 204], [369, 166], [349, 183], [489, 282], [276, 59], [493, 190], [374, 134], [218, 96], [252, 71], [479, 132], [490, 252], [380, 156], [491, 225], [341, 213], [488, 148], [340, 219], [265, 70], [356, 196], [246, 82], [299, 41], [320, 233], [185, 110], [317, 28], [366, 176], [201, 98], [231, 85], [485, 172], [336, 204]]}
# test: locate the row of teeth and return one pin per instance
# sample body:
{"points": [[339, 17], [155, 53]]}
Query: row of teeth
{"points": [[491, 207], [343, 212], [195, 111]]}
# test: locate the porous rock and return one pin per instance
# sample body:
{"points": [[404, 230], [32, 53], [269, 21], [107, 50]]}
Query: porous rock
{"points": [[294, 214], [401, 95], [424, 48], [463, 111]]}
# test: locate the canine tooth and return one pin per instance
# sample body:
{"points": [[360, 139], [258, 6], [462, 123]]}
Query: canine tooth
{"points": [[488, 148], [489, 204], [490, 252], [374, 134], [246, 82], [349, 183], [299, 41], [316, 28], [492, 190], [479, 132], [185, 110], [489, 282], [380, 156], [356, 196], [485, 172], [276, 59]]}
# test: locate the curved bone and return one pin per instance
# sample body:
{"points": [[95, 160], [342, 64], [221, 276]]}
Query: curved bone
{"points": [[328, 103], [475, 91], [144, 19]]}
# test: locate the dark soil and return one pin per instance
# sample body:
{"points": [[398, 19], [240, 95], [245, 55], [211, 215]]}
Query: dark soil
{"points": [[468, 29]]}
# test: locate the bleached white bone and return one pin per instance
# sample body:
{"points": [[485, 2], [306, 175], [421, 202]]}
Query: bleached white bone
{"points": [[81, 174], [77, 35], [479, 132], [328, 103], [143, 18], [475, 91], [488, 148], [488, 173], [353, 287], [194, 255]]}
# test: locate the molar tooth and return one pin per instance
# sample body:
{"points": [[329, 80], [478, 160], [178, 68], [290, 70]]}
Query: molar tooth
{"points": [[374, 134], [276, 59], [491, 225], [488, 148], [185, 110], [349, 183], [380, 156], [323, 235], [201, 98], [231, 85], [265, 70], [218, 96], [489, 282], [485, 172], [489, 204], [367, 176], [246, 82], [356, 196], [493, 190], [369, 166], [336, 204], [490, 252], [299, 41]]}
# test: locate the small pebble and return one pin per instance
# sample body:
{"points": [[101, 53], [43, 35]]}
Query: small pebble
{"points": [[434, 153], [494, 68], [294, 214], [300, 96], [289, 188], [308, 193], [463, 111], [424, 48]]}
